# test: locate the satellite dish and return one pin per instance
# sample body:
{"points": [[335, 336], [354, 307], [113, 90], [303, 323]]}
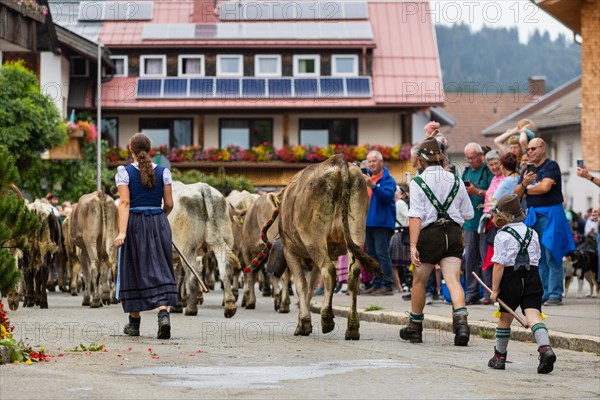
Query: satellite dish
{"points": [[161, 160]]}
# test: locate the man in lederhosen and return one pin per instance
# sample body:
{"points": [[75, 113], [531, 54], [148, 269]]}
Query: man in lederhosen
{"points": [[439, 206]]}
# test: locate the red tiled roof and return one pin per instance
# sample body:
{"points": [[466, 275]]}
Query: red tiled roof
{"points": [[560, 107], [473, 113], [119, 93], [406, 68]]}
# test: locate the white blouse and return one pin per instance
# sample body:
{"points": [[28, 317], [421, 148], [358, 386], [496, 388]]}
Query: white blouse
{"points": [[122, 177]]}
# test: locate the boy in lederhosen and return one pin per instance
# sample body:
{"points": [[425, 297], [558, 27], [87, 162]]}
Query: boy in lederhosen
{"points": [[517, 281], [439, 206]]}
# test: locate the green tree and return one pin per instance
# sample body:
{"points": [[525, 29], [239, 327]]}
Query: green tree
{"points": [[29, 121], [30, 124], [16, 221]]}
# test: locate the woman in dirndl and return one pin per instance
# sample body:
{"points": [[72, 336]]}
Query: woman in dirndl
{"points": [[146, 280]]}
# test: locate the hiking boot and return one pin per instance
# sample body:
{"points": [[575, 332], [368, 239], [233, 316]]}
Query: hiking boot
{"points": [[461, 330], [498, 361], [133, 327], [413, 332], [547, 360], [164, 325]]}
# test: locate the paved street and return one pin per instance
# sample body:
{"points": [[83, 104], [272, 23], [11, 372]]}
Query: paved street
{"points": [[255, 355]]}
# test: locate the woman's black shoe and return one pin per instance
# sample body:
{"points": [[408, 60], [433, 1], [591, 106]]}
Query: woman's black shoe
{"points": [[164, 325], [133, 327]]}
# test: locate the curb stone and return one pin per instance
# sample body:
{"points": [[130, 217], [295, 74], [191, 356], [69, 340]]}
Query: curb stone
{"points": [[561, 340]]}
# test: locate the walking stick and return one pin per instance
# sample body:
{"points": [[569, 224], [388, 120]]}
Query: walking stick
{"points": [[187, 263], [503, 304]]}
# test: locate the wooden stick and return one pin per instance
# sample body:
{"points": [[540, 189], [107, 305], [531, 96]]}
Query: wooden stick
{"points": [[187, 263], [503, 304]]}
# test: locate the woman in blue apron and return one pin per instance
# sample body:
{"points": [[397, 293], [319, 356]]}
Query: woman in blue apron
{"points": [[146, 280]]}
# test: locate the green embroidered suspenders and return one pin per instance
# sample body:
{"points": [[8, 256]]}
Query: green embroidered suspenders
{"points": [[522, 260], [442, 209]]}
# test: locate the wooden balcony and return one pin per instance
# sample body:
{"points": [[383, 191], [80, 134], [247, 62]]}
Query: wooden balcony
{"points": [[19, 26]]}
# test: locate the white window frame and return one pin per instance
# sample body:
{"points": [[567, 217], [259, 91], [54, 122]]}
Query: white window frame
{"points": [[125, 65], [153, 56], [190, 56], [240, 65], [87, 66], [315, 57], [257, 64], [334, 66]]}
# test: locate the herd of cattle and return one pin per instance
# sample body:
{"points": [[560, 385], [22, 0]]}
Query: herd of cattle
{"points": [[322, 215]]}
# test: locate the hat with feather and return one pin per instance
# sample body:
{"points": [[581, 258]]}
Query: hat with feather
{"points": [[429, 149]]}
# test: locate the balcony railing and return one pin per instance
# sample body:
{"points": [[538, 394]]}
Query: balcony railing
{"points": [[254, 88]]}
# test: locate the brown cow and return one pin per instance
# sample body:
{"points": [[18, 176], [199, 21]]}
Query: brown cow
{"points": [[93, 229], [256, 217], [239, 203], [72, 252], [323, 215]]}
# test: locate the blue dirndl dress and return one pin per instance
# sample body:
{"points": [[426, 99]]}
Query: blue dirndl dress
{"points": [[146, 276]]}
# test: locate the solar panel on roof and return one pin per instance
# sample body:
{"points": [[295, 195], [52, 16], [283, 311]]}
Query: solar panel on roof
{"points": [[356, 10], [253, 88], [306, 88], [175, 87], [332, 87], [150, 88], [292, 10], [280, 87], [358, 87], [202, 87], [227, 87], [260, 30], [115, 11]]}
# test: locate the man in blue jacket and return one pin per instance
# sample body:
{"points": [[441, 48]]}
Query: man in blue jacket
{"points": [[543, 190], [381, 221]]}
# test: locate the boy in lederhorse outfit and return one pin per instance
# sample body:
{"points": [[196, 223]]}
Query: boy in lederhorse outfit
{"points": [[517, 281]]}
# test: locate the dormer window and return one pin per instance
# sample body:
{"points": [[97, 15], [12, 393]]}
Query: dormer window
{"points": [[267, 65], [153, 66], [191, 65], [79, 66], [230, 65], [307, 65], [344, 65]]}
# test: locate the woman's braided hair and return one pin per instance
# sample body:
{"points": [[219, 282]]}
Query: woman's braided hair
{"points": [[140, 146]]}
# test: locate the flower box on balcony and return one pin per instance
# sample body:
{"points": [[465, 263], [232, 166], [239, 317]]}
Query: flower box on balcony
{"points": [[68, 151], [269, 173], [75, 132]]}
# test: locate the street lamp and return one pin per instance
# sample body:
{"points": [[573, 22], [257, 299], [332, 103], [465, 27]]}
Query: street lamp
{"points": [[99, 121]]}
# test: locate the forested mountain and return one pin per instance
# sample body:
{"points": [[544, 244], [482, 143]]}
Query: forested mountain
{"points": [[472, 60]]}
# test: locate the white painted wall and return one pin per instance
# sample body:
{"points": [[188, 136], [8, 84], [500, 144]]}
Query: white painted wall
{"points": [[54, 79], [579, 193], [418, 123]]}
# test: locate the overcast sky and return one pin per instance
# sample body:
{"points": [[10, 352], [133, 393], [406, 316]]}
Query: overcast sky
{"points": [[523, 14]]}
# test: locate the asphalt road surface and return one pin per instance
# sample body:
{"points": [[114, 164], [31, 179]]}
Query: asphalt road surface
{"points": [[255, 355]]}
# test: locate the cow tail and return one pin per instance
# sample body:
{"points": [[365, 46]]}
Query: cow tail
{"points": [[368, 263], [102, 198]]}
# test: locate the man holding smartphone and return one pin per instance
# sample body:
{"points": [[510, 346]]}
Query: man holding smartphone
{"points": [[477, 178], [546, 216]]}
